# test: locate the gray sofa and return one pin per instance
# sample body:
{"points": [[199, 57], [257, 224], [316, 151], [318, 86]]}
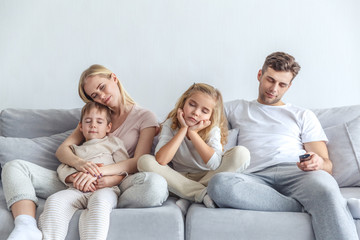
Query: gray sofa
{"points": [[34, 135]]}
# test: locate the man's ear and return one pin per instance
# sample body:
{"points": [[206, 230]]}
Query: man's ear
{"points": [[259, 75]]}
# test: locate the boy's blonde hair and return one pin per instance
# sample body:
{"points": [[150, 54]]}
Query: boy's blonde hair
{"points": [[217, 117], [100, 70]]}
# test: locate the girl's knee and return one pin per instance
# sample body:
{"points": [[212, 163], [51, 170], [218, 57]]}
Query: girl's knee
{"points": [[241, 152], [145, 162], [239, 157]]}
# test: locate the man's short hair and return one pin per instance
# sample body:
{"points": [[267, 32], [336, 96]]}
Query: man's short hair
{"points": [[280, 61]]}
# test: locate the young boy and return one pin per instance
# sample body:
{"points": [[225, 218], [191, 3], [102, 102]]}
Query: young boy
{"points": [[97, 196]]}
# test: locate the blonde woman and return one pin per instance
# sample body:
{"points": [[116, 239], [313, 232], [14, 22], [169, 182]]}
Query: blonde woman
{"points": [[136, 126]]}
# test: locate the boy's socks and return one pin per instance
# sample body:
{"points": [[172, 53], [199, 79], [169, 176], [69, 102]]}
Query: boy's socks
{"points": [[208, 202], [354, 207], [25, 229], [183, 204]]}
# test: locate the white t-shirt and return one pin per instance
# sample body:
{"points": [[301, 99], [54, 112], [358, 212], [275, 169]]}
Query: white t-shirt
{"points": [[187, 159], [273, 134]]}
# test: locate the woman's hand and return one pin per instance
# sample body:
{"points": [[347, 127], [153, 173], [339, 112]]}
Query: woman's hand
{"points": [[108, 181], [84, 182], [88, 167]]}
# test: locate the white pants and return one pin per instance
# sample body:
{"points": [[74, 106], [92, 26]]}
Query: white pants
{"points": [[94, 220], [192, 186]]}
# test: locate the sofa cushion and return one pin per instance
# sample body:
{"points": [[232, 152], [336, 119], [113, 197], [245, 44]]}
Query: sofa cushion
{"points": [[39, 150], [344, 152], [337, 115], [32, 123], [231, 139], [226, 223]]}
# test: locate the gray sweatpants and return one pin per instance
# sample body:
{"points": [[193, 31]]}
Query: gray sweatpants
{"points": [[285, 187], [23, 180]]}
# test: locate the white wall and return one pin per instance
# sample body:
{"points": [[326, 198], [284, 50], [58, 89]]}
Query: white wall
{"points": [[159, 47]]}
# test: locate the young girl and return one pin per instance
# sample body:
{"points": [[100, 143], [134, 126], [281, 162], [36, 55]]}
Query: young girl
{"points": [[192, 140]]}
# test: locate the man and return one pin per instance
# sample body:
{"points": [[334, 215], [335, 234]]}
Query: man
{"points": [[276, 134]]}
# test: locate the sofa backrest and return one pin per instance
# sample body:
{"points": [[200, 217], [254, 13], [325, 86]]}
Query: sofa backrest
{"points": [[34, 135], [337, 115], [342, 128], [40, 132], [32, 123]]}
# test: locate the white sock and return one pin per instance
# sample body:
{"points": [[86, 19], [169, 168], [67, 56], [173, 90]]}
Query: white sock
{"points": [[208, 202], [183, 204], [25, 229], [354, 207]]}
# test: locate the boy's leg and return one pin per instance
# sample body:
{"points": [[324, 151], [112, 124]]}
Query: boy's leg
{"points": [[58, 211], [94, 221]]}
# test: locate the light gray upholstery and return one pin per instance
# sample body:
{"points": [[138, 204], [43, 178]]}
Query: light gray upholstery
{"points": [[40, 132], [33, 123], [46, 129], [165, 222], [204, 223]]}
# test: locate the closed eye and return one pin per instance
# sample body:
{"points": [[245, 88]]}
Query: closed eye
{"points": [[205, 111], [283, 85], [192, 104]]}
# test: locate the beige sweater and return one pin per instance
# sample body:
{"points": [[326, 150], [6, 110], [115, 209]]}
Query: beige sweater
{"points": [[107, 150]]}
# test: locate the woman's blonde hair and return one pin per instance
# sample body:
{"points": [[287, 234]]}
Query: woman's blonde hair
{"points": [[217, 117], [100, 70]]}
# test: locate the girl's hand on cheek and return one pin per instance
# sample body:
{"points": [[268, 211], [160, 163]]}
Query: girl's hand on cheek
{"points": [[200, 125], [180, 117]]}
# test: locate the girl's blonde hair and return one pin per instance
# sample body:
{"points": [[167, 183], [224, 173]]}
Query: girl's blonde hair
{"points": [[100, 70], [217, 117]]}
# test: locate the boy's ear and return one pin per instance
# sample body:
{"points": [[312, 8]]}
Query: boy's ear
{"points": [[108, 127], [80, 126]]}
